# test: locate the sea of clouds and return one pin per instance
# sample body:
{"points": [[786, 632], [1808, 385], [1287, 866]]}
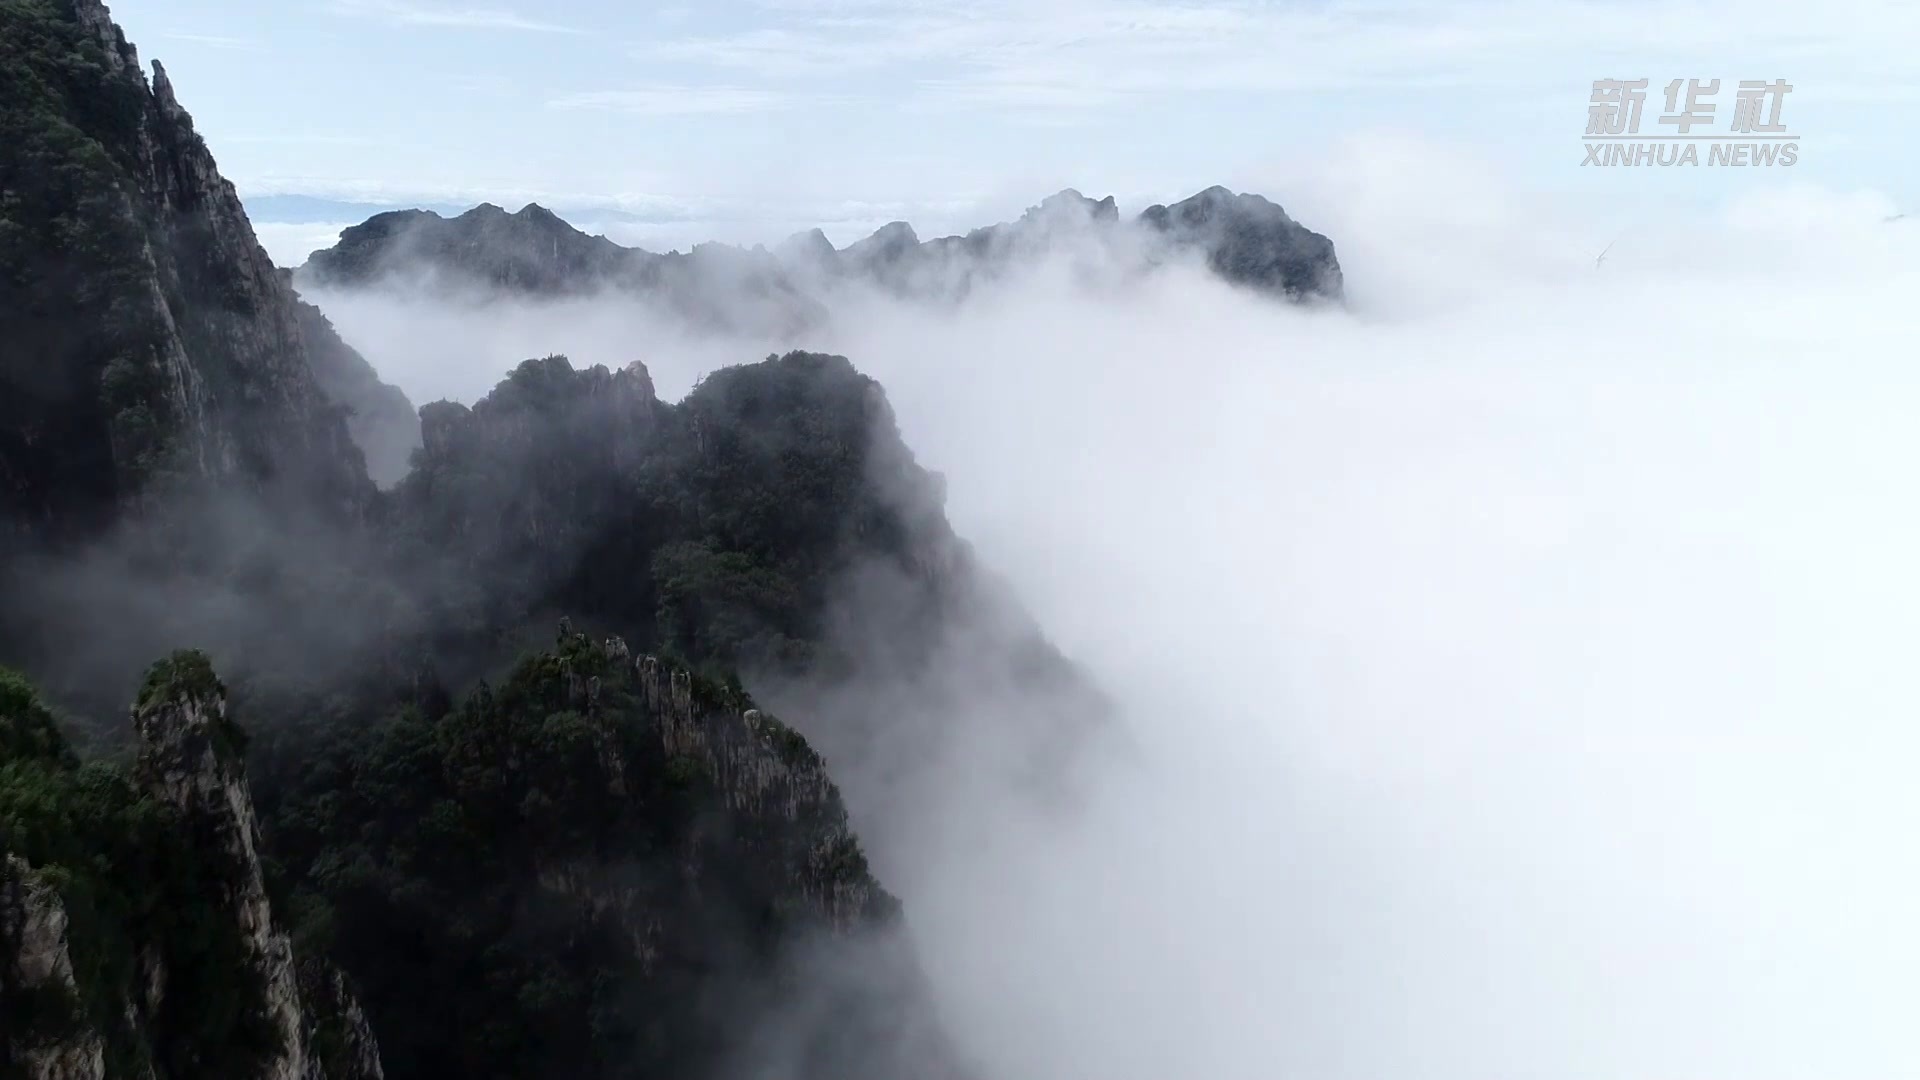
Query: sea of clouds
{"points": [[1520, 659]]}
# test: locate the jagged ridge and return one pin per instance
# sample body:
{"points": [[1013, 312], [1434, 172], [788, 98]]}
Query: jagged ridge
{"points": [[1244, 239]]}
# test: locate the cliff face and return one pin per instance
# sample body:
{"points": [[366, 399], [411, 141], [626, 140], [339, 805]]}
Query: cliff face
{"points": [[762, 771], [607, 866], [380, 419], [147, 336], [136, 936], [36, 981], [191, 761]]}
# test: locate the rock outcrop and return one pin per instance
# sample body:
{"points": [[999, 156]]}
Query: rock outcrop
{"points": [[1250, 241], [178, 967], [191, 760], [764, 772], [621, 858], [37, 983]]}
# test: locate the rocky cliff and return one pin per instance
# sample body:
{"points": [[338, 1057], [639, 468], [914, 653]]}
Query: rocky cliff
{"points": [[136, 936], [37, 983], [146, 337], [380, 419], [607, 865]]}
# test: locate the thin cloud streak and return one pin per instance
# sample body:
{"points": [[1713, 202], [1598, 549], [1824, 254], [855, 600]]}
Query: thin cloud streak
{"points": [[213, 41], [1074, 56], [681, 100], [405, 14]]}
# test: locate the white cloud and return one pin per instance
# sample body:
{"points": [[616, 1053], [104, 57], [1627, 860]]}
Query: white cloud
{"points": [[403, 192], [1520, 660], [656, 221], [1072, 55], [290, 244], [680, 100], [410, 14], [213, 41], [298, 138]]}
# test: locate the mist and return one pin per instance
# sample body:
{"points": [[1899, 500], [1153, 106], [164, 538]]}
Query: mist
{"points": [[1515, 665]]}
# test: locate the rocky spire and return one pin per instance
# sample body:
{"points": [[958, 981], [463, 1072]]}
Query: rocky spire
{"points": [[137, 941], [192, 760]]}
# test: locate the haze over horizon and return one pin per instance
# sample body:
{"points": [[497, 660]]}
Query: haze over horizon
{"points": [[745, 122]]}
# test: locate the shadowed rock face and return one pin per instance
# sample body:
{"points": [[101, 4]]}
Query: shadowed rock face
{"points": [[37, 963], [146, 335], [534, 253], [607, 865], [1250, 241], [178, 965], [531, 251], [191, 760], [1244, 239], [380, 419]]}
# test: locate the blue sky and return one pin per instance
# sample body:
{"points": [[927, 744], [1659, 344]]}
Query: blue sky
{"points": [[744, 121]]}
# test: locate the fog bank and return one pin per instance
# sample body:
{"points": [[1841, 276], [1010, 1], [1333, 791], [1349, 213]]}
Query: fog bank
{"points": [[1520, 659]]}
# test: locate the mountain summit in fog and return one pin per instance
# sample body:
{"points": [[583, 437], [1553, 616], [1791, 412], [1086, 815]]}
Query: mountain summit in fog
{"points": [[1242, 238]]}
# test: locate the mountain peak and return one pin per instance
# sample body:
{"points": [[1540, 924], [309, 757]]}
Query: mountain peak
{"points": [[809, 250], [1069, 201], [163, 86], [1251, 241], [888, 243]]}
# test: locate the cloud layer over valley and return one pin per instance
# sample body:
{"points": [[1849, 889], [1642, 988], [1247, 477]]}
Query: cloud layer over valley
{"points": [[1516, 664]]}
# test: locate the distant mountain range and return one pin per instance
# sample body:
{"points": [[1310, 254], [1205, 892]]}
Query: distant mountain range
{"points": [[1242, 238], [293, 209]]}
